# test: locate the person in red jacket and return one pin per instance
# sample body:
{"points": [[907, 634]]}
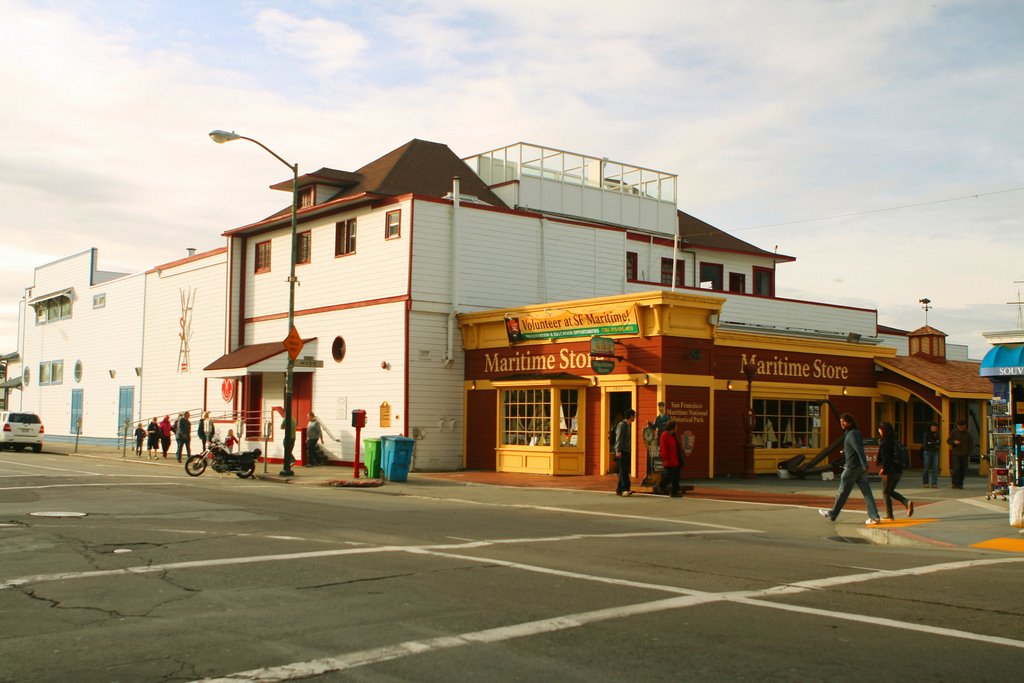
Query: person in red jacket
{"points": [[671, 457]]}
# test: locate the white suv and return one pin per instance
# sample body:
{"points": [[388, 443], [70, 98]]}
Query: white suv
{"points": [[21, 430]]}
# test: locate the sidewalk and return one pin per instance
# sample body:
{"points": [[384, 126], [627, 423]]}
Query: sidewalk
{"points": [[943, 517]]}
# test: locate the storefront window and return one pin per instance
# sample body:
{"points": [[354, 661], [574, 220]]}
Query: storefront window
{"points": [[569, 425], [923, 418], [526, 419], [787, 424]]}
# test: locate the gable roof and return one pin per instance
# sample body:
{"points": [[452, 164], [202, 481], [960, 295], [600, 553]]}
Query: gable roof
{"points": [[417, 167], [695, 232], [954, 377]]}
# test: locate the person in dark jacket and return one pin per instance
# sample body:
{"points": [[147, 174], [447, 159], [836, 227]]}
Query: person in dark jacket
{"points": [[624, 452], [854, 474], [962, 445], [671, 458], [183, 432], [152, 438], [890, 469], [930, 456]]}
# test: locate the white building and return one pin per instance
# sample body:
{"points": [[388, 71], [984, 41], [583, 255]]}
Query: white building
{"points": [[387, 257]]}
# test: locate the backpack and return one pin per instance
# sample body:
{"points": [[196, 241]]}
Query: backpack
{"points": [[901, 456]]}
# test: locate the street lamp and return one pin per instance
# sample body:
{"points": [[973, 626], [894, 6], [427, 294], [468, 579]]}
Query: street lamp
{"points": [[220, 137], [750, 370]]}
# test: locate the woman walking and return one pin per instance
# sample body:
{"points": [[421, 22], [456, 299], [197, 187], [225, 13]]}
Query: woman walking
{"points": [[890, 469]]}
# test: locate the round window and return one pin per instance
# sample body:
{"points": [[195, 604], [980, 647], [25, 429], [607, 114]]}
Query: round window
{"points": [[338, 349], [78, 371], [25, 376]]}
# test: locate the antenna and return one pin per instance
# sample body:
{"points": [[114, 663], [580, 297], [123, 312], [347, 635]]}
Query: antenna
{"points": [[1019, 304], [924, 304]]}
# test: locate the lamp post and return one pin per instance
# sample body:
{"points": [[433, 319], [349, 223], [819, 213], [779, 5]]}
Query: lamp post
{"points": [[220, 137], [750, 370]]}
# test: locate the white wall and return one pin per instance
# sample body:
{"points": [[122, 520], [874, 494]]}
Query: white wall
{"points": [[169, 388], [102, 339]]}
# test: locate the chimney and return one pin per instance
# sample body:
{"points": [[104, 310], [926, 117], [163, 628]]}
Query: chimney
{"points": [[191, 251]]}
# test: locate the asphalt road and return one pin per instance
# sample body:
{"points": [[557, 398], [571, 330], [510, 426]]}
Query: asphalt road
{"points": [[171, 578]]}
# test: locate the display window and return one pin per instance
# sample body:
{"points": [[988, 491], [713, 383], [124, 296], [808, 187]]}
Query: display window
{"points": [[782, 423]]}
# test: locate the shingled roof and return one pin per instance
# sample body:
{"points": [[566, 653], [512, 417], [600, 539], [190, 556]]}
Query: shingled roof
{"points": [[951, 377], [693, 231], [417, 167]]}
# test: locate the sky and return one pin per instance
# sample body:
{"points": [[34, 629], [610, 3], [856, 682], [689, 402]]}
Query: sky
{"points": [[879, 142]]}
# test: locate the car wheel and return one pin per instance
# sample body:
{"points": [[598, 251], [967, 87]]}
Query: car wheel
{"points": [[38, 448]]}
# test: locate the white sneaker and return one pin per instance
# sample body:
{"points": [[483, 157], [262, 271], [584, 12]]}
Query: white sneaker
{"points": [[827, 514], [872, 522]]}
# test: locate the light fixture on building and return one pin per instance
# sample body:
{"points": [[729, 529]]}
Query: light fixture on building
{"points": [[384, 365], [113, 373], [138, 372], [845, 391], [728, 385], [646, 380], [222, 136], [472, 385]]}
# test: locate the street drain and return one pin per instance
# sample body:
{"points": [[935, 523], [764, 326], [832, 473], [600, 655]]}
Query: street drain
{"points": [[57, 514]]}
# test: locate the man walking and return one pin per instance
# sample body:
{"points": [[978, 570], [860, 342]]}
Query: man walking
{"points": [[624, 452], [854, 473], [961, 444], [314, 436]]}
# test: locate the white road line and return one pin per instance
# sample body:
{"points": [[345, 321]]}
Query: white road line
{"points": [[875, 621], [76, 486], [54, 469], [316, 667], [500, 634], [589, 513], [564, 573], [284, 557]]}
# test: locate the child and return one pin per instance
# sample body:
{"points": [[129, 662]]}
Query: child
{"points": [[140, 434], [230, 441]]}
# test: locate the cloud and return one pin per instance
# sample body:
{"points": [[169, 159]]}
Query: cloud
{"points": [[326, 47]]}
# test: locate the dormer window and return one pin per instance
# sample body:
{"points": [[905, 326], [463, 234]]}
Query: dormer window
{"points": [[52, 307], [307, 197]]}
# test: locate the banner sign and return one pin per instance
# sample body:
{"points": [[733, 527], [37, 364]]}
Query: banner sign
{"points": [[573, 323]]}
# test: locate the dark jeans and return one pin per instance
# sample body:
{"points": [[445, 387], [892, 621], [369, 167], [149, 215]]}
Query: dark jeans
{"points": [[313, 456], [671, 480], [958, 467], [854, 476], [187, 445], [930, 474], [165, 444], [624, 483], [889, 491]]}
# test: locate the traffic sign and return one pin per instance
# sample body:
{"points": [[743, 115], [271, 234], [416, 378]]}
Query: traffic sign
{"points": [[293, 343]]}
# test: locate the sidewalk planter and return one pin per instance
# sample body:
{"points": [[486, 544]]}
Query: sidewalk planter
{"points": [[397, 457], [371, 457]]}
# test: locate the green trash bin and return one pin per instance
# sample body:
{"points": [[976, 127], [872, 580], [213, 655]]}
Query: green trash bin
{"points": [[371, 457]]}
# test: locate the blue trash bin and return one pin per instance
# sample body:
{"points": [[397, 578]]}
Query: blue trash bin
{"points": [[396, 459]]}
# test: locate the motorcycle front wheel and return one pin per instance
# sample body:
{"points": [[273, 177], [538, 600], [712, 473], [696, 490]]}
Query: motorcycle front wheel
{"points": [[195, 465]]}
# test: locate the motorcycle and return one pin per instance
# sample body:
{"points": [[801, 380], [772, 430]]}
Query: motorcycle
{"points": [[242, 464]]}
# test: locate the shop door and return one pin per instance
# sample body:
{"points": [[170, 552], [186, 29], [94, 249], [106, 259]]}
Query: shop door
{"points": [[302, 404], [76, 410], [252, 406], [618, 403], [125, 401]]}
